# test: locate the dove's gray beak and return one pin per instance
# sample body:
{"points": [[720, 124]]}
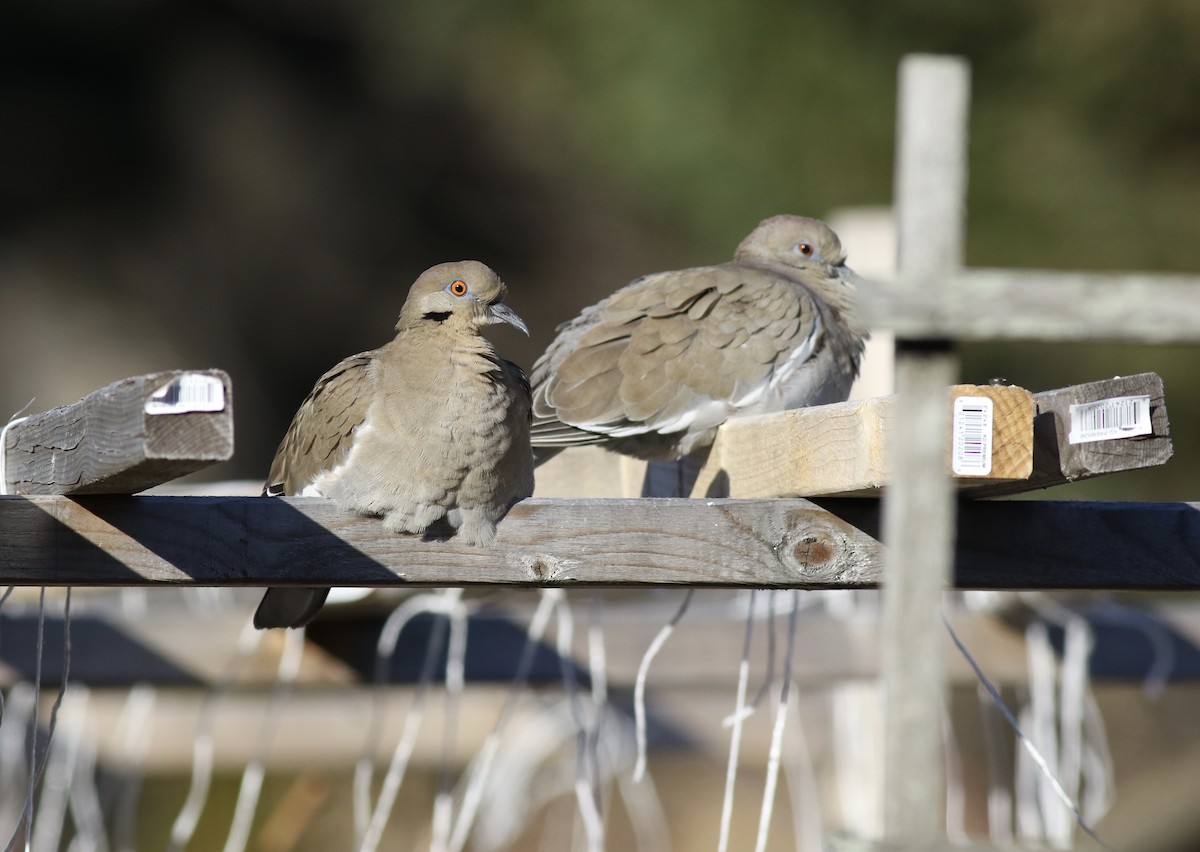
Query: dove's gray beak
{"points": [[503, 313], [849, 277]]}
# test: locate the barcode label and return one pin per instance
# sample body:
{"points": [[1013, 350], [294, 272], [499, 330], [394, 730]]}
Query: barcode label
{"points": [[972, 446], [1120, 417], [188, 393]]}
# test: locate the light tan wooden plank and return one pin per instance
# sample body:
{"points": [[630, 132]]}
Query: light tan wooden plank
{"points": [[840, 449], [120, 439]]}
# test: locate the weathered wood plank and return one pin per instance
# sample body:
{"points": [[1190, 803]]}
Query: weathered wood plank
{"points": [[306, 541], [126, 437], [1023, 304], [785, 543], [930, 197], [1056, 460], [839, 449]]}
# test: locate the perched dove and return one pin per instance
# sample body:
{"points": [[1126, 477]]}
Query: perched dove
{"points": [[655, 368], [434, 425]]}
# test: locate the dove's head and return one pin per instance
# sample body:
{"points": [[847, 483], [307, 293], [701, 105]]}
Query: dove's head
{"points": [[466, 293], [808, 245], [793, 241]]}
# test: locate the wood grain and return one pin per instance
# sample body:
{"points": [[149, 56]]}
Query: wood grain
{"points": [[785, 543], [931, 160], [840, 449], [306, 541], [107, 443]]}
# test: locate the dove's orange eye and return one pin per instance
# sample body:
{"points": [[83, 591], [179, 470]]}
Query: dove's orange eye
{"points": [[803, 249], [459, 288]]}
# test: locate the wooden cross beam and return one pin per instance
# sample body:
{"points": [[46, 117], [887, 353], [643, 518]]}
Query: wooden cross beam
{"points": [[1021, 304], [778, 543], [129, 436]]}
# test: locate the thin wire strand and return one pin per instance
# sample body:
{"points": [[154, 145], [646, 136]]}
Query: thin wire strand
{"points": [[482, 766], [639, 690], [203, 742], [735, 736], [372, 832], [385, 650], [252, 776], [1029, 746], [456, 654], [776, 752]]}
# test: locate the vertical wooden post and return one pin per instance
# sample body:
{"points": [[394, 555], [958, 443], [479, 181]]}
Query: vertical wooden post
{"points": [[919, 519]]}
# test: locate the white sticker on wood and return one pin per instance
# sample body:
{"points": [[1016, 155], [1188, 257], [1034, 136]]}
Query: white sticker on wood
{"points": [[971, 453], [1119, 417], [188, 393]]}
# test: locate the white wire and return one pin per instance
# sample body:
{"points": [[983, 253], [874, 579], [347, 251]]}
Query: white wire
{"points": [[1029, 746], [1043, 704], [456, 654], [12, 421], [85, 803], [434, 603], [776, 751], [801, 774], [1077, 647], [372, 832], [586, 794], [134, 735], [482, 765], [252, 775], [735, 737], [13, 782], [639, 690], [203, 745], [61, 762]]}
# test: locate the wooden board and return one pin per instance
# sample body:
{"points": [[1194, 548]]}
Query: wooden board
{"points": [[123, 438], [1056, 460], [1023, 304], [785, 543], [842, 448]]}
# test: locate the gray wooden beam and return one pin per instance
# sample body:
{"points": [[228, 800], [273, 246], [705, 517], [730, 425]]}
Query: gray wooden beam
{"points": [[1024, 304], [784, 543], [124, 438], [931, 160]]}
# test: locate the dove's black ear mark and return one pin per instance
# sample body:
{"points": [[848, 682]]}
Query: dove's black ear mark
{"points": [[437, 316]]}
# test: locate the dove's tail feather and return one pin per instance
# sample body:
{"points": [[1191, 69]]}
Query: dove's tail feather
{"points": [[289, 607]]}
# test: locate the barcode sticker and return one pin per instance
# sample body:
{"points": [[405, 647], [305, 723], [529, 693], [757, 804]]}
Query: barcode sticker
{"points": [[1120, 417], [972, 446], [188, 393]]}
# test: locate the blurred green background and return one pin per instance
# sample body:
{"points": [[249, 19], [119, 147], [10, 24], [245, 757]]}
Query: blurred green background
{"points": [[253, 185]]}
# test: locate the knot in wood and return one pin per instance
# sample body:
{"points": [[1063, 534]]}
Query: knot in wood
{"points": [[814, 548], [543, 567], [813, 551]]}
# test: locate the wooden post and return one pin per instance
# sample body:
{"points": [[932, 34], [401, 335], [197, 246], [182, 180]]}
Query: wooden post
{"points": [[919, 506]]}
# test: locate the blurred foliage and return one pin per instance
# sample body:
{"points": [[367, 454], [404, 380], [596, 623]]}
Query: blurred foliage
{"points": [[253, 183]]}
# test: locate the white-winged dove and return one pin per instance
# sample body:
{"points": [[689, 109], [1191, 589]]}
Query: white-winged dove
{"points": [[434, 425], [655, 368]]}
